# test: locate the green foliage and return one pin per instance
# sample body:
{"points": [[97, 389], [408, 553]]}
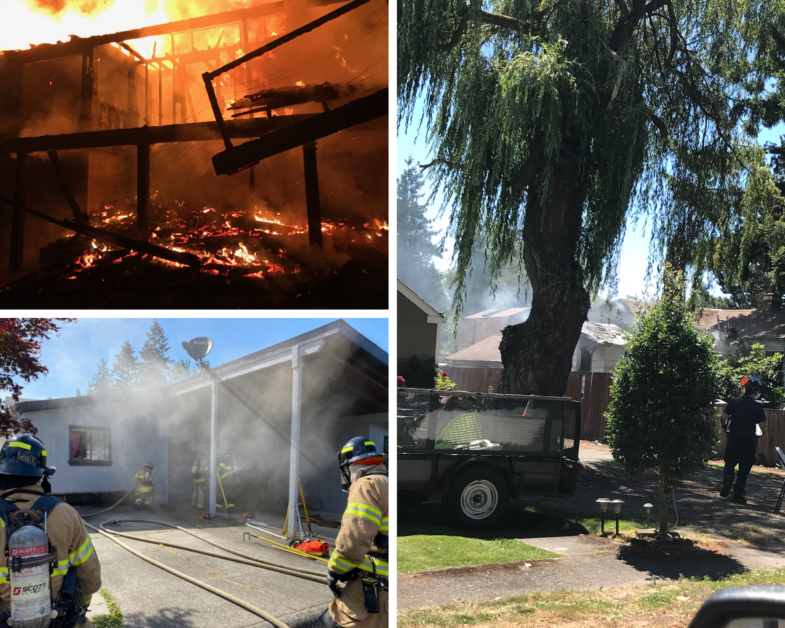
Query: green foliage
{"points": [[153, 368], [662, 415], [768, 369], [416, 234], [443, 382], [642, 101], [115, 617], [418, 372]]}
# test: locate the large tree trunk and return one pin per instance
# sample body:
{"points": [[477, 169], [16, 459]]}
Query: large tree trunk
{"points": [[537, 354]]}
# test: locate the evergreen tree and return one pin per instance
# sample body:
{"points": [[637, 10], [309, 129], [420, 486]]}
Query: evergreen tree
{"points": [[154, 363], [416, 249], [125, 371], [662, 415], [101, 384], [184, 368], [552, 123]]}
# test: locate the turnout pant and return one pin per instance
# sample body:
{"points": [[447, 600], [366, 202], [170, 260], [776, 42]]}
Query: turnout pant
{"points": [[199, 498], [738, 451], [143, 496], [349, 609]]}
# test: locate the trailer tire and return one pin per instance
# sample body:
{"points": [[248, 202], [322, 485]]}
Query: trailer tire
{"points": [[478, 497]]}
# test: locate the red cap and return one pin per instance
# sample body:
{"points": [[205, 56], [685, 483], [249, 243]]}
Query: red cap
{"points": [[401, 381]]}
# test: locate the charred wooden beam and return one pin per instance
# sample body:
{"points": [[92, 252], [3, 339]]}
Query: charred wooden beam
{"points": [[220, 123], [113, 239], [69, 197], [81, 45], [16, 250], [192, 132], [297, 32], [87, 92], [312, 195], [142, 191], [314, 128], [278, 97]]}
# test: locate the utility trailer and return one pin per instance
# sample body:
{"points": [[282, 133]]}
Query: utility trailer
{"points": [[474, 452]]}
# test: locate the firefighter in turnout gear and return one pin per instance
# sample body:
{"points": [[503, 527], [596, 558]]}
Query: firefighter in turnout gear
{"points": [[358, 572], [200, 470], [227, 476], [27, 511], [144, 485]]}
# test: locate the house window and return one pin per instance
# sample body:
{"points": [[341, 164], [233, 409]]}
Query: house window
{"points": [[89, 446]]}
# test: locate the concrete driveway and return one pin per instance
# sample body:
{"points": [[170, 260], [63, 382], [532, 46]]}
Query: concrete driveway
{"points": [[150, 597]]}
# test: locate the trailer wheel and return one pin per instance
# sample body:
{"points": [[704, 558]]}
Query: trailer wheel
{"points": [[478, 497]]}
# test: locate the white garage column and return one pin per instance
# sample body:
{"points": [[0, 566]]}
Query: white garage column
{"points": [[213, 393], [298, 353], [294, 451]]}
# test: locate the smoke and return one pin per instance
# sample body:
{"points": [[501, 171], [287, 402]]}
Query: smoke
{"points": [[253, 426], [350, 53]]}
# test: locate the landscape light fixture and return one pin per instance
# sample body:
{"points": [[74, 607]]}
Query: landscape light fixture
{"points": [[648, 508], [603, 502], [616, 504]]}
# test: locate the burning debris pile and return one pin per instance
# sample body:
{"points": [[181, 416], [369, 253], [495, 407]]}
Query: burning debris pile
{"points": [[286, 75], [261, 256]]}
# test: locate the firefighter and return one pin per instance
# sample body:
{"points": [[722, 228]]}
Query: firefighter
{"points": [[227, 483], [76, 572], [357, 572], [144, 485], [200, 470], [740, 420]]}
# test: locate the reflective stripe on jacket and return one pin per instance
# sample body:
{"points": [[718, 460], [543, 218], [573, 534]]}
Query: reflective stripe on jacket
{"points": [[365, 517], [68, 534], [141, 485]]}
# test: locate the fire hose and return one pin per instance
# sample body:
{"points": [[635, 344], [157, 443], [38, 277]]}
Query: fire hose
{"points": [[117, 503], [254, 562], [227, 596]]}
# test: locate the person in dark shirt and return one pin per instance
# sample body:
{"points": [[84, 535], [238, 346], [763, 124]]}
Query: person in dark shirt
{"points": [[739, 420]]}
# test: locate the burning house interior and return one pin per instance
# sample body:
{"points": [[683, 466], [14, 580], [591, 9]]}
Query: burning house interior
{"points": [[233, 159]]}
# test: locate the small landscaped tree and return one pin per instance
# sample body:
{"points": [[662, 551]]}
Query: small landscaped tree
{"points": [[662, 415]]}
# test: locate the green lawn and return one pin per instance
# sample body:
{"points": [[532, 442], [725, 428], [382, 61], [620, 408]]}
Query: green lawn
{"points": [[426, 552]]}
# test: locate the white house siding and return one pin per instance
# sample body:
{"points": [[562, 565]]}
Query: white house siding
{"points": [[133, 443], [605, 358], [416, 336]]}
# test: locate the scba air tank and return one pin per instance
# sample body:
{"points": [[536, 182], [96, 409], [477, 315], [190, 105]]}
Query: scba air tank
{"points": [[31, 597]]}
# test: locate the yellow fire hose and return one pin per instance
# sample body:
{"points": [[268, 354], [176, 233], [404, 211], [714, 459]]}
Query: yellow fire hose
{"points": [[227, 596]]}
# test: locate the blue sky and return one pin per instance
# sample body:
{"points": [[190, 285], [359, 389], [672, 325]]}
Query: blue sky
{"points": [[73, 356], [635, 249]]}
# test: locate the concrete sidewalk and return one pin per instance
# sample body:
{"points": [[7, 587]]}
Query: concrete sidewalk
{"points": [[152, 598]]}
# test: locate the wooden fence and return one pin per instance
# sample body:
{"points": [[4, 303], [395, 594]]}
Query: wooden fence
{"points": [[591, 389]]}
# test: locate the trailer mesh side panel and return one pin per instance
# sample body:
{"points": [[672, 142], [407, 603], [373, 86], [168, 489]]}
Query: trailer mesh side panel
{"points": [[571, 432], [428, 420]]}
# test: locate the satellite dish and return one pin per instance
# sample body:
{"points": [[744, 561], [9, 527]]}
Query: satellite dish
{"points": [[198, 348]]}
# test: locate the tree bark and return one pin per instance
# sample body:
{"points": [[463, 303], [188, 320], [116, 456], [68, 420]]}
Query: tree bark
{"points": [[537, 354], [663, 505]]}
